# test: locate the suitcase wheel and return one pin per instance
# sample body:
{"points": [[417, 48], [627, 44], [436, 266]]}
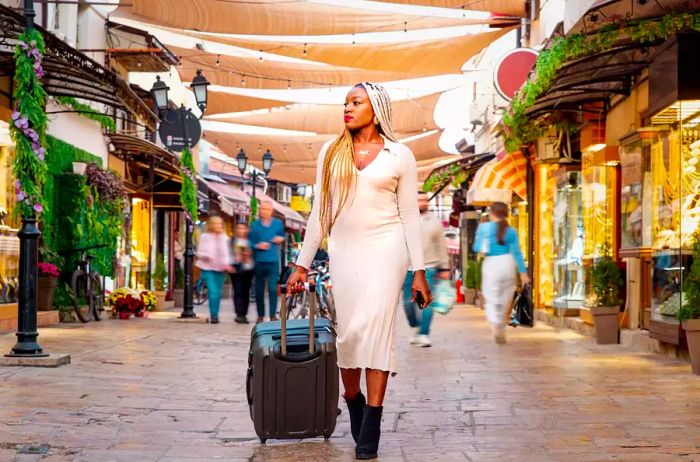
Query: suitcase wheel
{"points": [[263, 440], [326, 437]]}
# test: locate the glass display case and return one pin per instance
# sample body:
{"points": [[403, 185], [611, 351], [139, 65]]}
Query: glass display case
{"points": [[568, 242], [543, 271], [675, 166], [635, 193]]}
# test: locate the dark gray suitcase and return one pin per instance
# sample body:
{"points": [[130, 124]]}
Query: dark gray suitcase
{"points": [[292, 383]]}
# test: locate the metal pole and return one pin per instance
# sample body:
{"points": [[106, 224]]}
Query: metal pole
{"points": [[27, 344], [188, 305], [255, 180], [29, 13]]}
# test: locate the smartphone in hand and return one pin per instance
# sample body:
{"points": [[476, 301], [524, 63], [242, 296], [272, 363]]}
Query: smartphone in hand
{"points": [[420, 300]]}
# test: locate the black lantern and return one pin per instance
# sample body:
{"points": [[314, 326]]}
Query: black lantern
{"points": [[267, 161], [159, 91], [242, 161], [199, 86]]}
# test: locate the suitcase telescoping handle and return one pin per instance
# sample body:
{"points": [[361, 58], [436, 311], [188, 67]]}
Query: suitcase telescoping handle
{"points": [[311, 288]]}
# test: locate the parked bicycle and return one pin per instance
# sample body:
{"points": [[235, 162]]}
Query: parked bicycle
{"points": [[86, 284], [298, 304]]}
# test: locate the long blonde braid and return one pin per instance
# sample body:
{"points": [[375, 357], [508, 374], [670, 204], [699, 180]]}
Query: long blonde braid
{"points": [[339, 165], [338, 172]]}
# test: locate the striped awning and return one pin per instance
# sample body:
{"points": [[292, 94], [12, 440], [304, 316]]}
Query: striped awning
{"points": [[498, 179]]}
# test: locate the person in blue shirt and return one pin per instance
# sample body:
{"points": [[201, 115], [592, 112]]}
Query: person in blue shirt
{"points": [[266, 235], [498, 242]]}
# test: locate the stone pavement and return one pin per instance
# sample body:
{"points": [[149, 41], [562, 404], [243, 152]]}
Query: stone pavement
{"points": [[156, 390]]}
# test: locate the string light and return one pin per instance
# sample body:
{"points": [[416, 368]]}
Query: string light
{"points": [[218, 60], [405, 26], [138, 63], [353, 39], [289, 84], [243, 80], [261, 56], [305, 48]]}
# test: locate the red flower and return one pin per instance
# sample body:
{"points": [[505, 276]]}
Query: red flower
{"points": [[48, 269]]}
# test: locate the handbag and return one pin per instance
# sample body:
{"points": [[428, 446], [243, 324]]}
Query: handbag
{"points": [[444, 296], [522, 308]]}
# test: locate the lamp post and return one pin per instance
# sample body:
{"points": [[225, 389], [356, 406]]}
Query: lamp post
{"points": [[160, 96], [27, 345], [242, 161]]}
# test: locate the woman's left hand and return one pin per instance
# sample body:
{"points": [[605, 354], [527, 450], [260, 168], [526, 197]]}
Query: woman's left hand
{"points": [[420, 283]]}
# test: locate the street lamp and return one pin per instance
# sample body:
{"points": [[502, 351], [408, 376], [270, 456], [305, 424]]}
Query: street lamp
{"points": [[160, 96], [242, 161]]}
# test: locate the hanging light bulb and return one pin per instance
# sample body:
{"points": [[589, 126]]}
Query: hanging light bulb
{"points": [[405, 26], [218, 60], [305, 48], [289, 84], [285, 149], [353, 39], [261, 56], [138, 63], [243, 80]]}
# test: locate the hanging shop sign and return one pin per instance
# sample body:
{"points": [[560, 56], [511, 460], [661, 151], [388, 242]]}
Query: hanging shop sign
{"points": [[512, 70], [177, 124]]}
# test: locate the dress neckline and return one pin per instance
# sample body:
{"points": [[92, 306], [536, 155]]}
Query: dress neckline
{"points": [[373, 160]]}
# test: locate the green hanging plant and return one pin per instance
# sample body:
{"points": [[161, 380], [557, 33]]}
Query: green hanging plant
{"points": [[518, 129], [188, 192], [29, 124], [253, 209], [105, 121]]}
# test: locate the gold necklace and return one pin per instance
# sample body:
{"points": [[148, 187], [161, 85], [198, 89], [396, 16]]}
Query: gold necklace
{"points": [[364, 153]]}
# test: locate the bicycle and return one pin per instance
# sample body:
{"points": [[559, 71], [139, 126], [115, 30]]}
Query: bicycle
{"points": [[86, 285], [298, 304], [199, 292]]}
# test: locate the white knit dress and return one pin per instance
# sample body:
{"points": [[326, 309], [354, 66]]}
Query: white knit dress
{"points": [[374, 239]]}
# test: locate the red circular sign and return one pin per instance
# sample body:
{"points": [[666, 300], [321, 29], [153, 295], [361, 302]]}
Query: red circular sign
{"points": [[512, 70]]}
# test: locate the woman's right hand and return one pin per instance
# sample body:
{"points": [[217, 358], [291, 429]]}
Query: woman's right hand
{"points": [[524, 278], [299, 276]]}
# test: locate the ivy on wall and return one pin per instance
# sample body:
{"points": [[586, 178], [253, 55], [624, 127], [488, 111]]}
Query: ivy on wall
{"points": [[518, 129], [29, 124], [105, 121], [188, 192]]}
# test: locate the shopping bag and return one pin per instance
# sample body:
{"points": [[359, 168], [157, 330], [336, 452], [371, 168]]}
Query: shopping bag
{"points": [[522, 307], [443, 296]]}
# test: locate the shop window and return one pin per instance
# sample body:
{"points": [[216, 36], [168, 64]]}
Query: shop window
{"points": [[636, 192], [675, 161], [140, 243], [568, 250], [546, 189], [9, 242]]}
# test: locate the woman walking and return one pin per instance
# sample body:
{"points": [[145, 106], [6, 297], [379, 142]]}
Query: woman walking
{"points": [[368, 206], [498, 242], [242, 276], [214, 259]]}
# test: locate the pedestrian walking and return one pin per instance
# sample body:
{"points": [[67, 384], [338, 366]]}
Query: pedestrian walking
{"points": [[437, 266], [367, 205], [214, 259], [498, 242], [266, 235], [242, 275]]}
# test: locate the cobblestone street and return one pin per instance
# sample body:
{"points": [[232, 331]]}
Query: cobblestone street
{"points": [[159, 390]]}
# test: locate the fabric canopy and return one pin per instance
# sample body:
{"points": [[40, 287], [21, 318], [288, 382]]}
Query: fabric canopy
{"points": [[292, 219], [233, 201], [503, 7], [232, 71], [274, 17], [498, 179], [410, 116], [417, 58], [220, 102]]}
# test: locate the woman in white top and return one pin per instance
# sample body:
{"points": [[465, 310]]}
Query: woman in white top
{"points": [[367, 203]]}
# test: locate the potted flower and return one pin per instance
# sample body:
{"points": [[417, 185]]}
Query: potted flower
{"points": [[159, 277], [124, 303], [179, 291], [689, 312], [149, 303], [471, 281], [606, 279], [46, 286]]}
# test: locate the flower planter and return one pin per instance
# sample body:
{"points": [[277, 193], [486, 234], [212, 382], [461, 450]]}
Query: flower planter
{"points": [[605, 320], [160, 299], [141, 314], [79, 168], [692, 334], [46, 288], [469, 296], [179, 297], [124, 315]]}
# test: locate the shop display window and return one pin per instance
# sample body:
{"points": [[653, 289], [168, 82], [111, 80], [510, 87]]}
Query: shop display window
{"points": [[519, 221], [543, 271], [568, 241], [140, 243], [9, 242], [636, 194], [675, 164]]}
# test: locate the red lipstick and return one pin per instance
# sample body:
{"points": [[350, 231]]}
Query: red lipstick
{"points": [[348, 118]]}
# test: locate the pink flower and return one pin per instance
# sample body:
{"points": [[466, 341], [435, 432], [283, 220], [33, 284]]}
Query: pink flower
{"points": [[38, 208]]}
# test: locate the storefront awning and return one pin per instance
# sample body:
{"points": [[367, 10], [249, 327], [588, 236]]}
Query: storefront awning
{"points": [[442, 176], [69, 72], [497, 180], [292, 219], [135, 149], [233, 201]]}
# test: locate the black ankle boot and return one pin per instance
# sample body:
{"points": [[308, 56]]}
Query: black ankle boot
{"points": [[356, 407], [368, 442]]}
